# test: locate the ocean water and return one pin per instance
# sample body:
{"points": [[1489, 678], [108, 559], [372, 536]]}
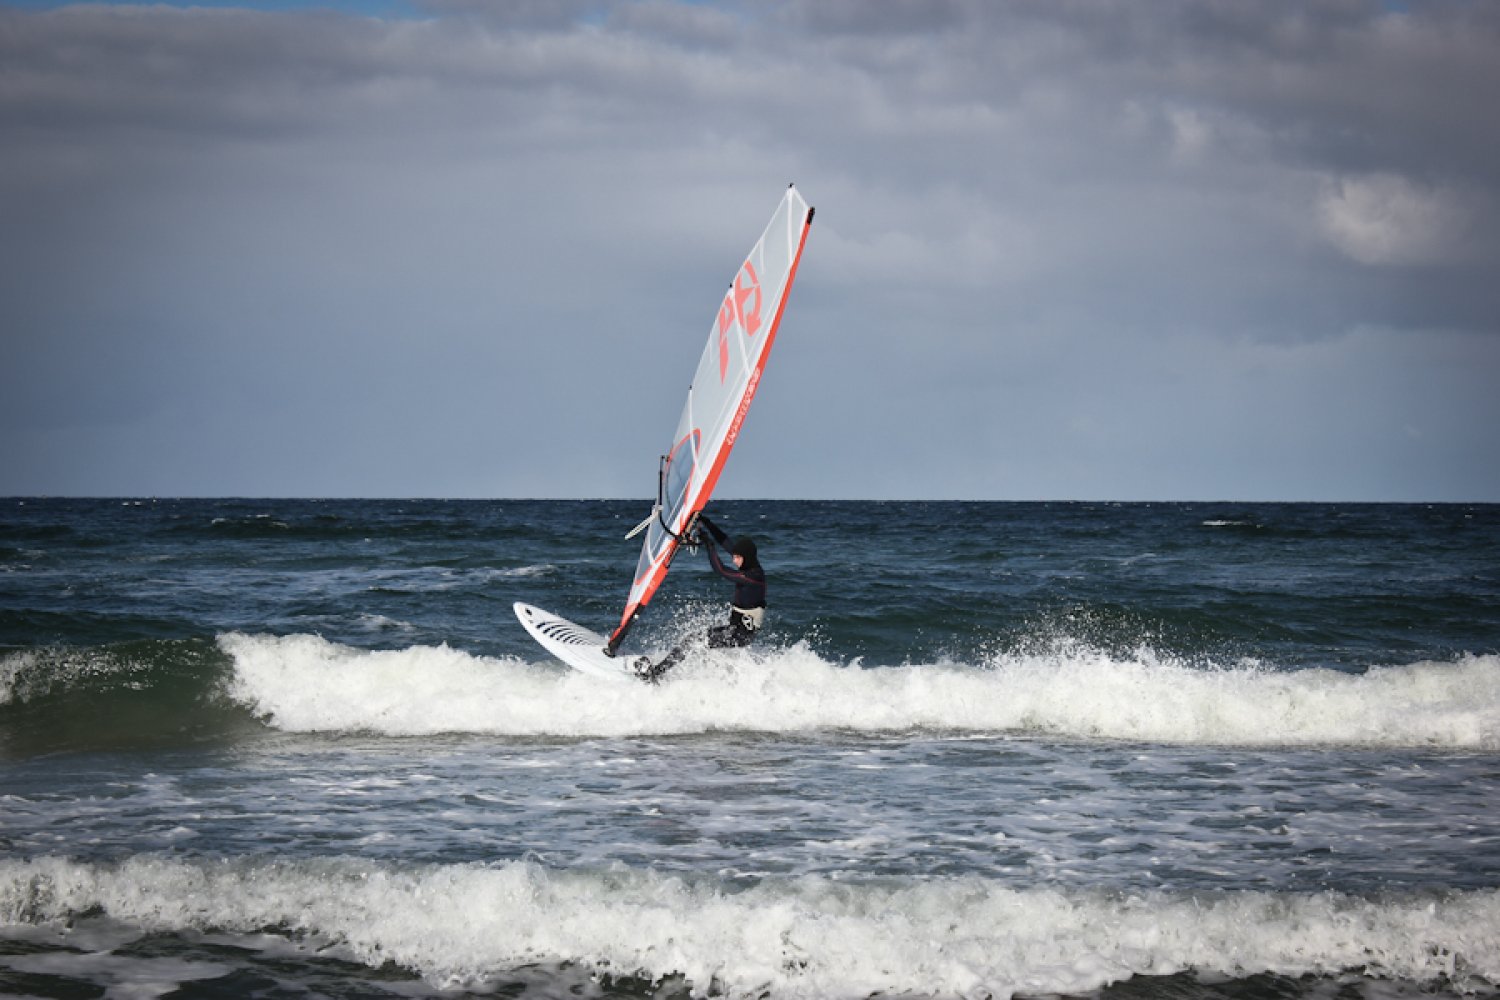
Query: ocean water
{"points": [[288, 748]]}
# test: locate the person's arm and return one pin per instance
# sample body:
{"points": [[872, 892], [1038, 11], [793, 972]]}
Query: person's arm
{"points": [[727, 572], [715, 531]]}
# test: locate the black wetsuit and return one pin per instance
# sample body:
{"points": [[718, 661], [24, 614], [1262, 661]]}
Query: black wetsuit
{"points": [[749, 593], [749, 596]]}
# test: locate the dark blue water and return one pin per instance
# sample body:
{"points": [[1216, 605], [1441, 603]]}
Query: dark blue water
{"points": [[292, 748]]}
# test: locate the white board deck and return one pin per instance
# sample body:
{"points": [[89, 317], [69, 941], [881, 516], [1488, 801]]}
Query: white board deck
{"points": [[575, 645]]}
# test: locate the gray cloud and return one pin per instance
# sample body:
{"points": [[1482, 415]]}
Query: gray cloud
{"points": [[1062, 250]]}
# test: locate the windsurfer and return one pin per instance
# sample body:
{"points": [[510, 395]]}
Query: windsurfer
{"points": [[746, 611]]}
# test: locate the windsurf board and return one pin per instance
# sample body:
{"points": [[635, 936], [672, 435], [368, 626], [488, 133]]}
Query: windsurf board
{"points": [[578, 647]]}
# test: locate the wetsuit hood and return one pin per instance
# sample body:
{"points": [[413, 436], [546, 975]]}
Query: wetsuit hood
{"points": [[745, 546]]}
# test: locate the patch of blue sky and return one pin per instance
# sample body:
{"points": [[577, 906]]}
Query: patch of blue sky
{"points": [[384, 9]]}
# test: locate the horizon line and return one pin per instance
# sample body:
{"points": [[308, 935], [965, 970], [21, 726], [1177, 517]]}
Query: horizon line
{"points": [[415, 498]]}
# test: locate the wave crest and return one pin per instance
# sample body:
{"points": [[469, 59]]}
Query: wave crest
{"points": [[468, 925], [308, 684]]}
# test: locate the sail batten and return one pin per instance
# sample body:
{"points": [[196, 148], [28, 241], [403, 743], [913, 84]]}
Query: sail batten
{"points": [[719, 396]]}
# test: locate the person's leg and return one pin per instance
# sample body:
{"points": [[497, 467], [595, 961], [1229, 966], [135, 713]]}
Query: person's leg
{"points": [[648, 671], [719, 637], [729, 636]]}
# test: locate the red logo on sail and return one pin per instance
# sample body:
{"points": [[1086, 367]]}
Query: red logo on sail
{"points": [[734, 308]]}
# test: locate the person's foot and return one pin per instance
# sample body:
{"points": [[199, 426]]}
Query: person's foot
{"points": [[643, 669]]}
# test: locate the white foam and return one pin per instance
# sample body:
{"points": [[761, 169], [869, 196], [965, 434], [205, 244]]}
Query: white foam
{"points": [[32, 673], [465, 925], [12, 667], [524, 572], [307, 684]]}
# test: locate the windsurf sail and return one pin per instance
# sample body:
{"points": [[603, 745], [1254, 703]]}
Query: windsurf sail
{"points": [[739, 341]]}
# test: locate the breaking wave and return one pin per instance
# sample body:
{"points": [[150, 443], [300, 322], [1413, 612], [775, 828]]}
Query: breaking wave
{"points": [[165, 691], [307, 684], [466, 926]]}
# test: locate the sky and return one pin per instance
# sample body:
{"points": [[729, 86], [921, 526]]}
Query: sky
{"points": [[1063, 250]]}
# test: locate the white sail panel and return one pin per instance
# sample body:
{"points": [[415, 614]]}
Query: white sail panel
{"points": [[729, 371]]}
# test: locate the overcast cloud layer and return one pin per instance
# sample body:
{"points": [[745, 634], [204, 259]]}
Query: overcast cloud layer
{"points": [[1063, 250]]}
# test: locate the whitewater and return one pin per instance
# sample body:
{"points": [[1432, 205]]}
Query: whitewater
{"points": [[307, 684], [805, 937]]}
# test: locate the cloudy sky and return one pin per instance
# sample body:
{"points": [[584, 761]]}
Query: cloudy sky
{"points": [[1063, 249]]}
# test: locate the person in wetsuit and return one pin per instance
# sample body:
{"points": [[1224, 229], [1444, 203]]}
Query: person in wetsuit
{"points": [[747, 609]]}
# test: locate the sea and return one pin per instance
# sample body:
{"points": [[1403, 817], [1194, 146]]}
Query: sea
{"points": [[303, 748]]}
